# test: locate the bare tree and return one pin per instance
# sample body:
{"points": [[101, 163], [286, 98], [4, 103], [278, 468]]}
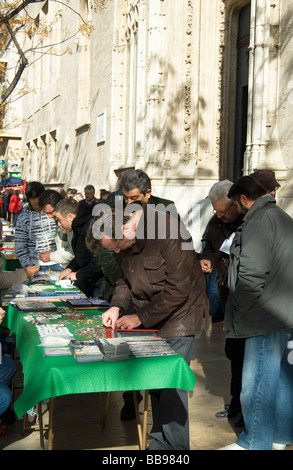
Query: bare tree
{"points": [[14, 19], [8, 13]]}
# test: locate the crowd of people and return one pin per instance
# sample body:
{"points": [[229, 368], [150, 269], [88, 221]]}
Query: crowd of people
{"points": [[133, 249], [10, 205]]}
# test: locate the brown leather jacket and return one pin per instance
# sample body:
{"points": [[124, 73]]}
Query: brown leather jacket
{"points": [[163, 280]]}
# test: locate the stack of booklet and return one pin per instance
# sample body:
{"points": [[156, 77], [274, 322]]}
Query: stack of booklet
{"points": [[86, 303], [114, 349], [143, 343], [100, 350], [86, 351], [35, 306], [149, 347]]}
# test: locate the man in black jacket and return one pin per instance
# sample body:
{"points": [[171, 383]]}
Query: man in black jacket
{"points": [[214, 257], [136, 186], [83, 268], [259, 309]]}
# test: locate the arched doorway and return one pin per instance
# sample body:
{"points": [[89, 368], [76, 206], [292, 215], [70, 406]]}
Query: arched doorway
{"points": [[241, 89], [235, 88]]}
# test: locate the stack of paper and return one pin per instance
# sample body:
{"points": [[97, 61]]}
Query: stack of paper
{"points": [[35, 306], [86, 351], [114, 349], [142, 347]]}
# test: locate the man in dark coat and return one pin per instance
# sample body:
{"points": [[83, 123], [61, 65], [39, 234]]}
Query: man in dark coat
{"points": [[117, 195], [6, 200], [213, 257], [83, 268], [136, 186], [259, 309]]}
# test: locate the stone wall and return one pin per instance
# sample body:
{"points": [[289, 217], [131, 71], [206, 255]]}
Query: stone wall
{"points": [[153, 85]]}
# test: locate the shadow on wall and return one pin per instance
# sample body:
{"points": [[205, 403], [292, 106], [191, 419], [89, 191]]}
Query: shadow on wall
{"points": [[163, 119]]}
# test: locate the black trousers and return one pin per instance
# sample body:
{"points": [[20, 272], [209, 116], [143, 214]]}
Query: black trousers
{"points": [[234, 349], [170, 429]]}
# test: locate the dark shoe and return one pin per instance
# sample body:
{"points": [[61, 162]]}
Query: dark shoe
{"points": [[127, 413], [226, 414]]}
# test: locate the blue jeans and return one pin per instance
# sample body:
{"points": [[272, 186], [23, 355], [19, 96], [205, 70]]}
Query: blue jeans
{"points": [[216, 309], [267, 392], [7, 371]]}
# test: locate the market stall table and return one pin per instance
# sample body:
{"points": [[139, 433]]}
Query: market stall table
{"points": [[48, 377], [44, 291], [10, 260]]}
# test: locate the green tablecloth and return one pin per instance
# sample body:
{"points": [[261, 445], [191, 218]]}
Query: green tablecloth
{"points": [[10, 262], [46, 377]]}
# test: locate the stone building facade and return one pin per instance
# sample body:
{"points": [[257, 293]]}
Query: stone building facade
{"points": [[191, 91]]}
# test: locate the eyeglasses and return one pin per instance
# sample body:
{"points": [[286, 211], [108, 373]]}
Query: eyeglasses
{"points": [[222, 213]]}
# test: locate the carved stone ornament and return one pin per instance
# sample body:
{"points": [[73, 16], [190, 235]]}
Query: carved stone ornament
{"points": [[132, 16]]}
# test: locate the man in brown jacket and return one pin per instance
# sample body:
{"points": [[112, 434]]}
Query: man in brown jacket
{"points": [[162, 278]]}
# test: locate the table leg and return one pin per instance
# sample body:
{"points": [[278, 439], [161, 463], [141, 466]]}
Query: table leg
{"points": [[50, 435], [145, 419], [142, 430], [24, 423], [41, 427], [138, 423]]}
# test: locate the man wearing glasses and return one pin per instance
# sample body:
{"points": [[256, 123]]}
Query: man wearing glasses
{"points": [[215, 256]]}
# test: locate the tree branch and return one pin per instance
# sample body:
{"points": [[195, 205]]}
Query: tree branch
{"points": [[13, 84], [13, 13], [23, 64]]}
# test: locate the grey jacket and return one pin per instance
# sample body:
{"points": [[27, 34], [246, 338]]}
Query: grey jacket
{"points": [[260, 272]]}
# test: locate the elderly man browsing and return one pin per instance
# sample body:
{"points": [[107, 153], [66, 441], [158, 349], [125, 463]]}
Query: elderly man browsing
{"points": [[162, 278]]}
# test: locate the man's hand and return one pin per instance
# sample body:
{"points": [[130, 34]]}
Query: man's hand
{"points": [[110, 317], [128, 322], [206, 266], [31, 270], [64, 274], [44, 256], [72, 276], [2, 314]]}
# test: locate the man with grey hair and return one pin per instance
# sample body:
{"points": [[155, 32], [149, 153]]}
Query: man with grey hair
{"points": [[215, 256], [221, 226], [89, 193], [165, 285], [219, 191], [136, 186]]}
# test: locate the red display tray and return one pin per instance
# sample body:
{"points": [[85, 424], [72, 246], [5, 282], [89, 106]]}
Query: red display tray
{"points": [[110, 333]]}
